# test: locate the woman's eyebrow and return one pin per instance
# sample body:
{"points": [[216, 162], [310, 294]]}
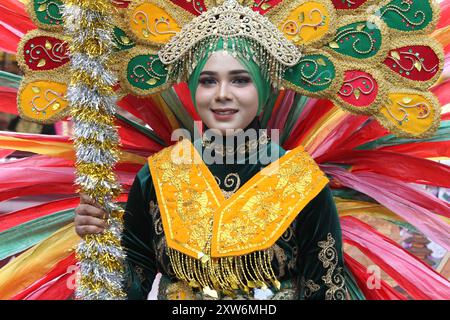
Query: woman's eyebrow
{"points": [[232, 72], [209, 73], [238, 71]]}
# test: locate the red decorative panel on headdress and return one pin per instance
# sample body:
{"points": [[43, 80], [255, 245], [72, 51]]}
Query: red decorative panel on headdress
{"points": [[45, 53], [196, 7], [419, 63], [347, 4], [263, 6], [121, 3], [360, 89]]}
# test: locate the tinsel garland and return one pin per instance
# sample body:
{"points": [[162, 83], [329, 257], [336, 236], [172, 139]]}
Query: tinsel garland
{"points": [[93, 105]]}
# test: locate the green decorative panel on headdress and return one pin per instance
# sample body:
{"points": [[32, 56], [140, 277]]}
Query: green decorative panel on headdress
{"points": [[48, 12], [360, 40], [121, 40], [314, 73], [146, 73], [407, 15]]}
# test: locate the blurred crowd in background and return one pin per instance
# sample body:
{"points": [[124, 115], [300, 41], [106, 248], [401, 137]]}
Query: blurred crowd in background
{"points": [[9, 122]]}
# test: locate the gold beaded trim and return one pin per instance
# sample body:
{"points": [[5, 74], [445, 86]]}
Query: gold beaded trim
{"points": [[225, 275]]}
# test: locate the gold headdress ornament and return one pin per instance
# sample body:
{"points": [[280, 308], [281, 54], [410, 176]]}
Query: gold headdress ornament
{"points": [[230, 21], [369, 57]]}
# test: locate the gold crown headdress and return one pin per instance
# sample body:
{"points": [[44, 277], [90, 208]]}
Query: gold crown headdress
{"points": [[230, 21]]}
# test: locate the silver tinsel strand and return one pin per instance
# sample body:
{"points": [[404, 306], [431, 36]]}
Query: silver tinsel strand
{"points": [[80, 95]]}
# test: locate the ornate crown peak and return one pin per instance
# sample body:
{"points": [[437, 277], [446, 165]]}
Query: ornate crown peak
{"points": [[230, 21]]}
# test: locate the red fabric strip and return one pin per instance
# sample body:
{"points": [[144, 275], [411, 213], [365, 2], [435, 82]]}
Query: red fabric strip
{"points": [[66, 267], [414, 206], [421, 149], [149, 112], [365, 281], [313, 112], [8, 100], [337, 137], [414, 276], [402, 167], [184, 94]]}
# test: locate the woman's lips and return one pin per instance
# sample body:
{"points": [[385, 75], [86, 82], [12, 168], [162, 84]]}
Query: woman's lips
{"points": [[224, 114]]}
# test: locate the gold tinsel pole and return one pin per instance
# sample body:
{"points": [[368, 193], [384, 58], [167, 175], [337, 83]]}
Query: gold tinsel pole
{"points": [[93, 104]]}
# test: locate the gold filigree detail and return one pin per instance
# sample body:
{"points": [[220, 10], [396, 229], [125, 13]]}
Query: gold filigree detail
{"points": [[333, 279], [232, 180], [310, 287]]}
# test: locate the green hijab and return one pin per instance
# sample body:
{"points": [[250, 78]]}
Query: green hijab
{"points": [[241, 49]]}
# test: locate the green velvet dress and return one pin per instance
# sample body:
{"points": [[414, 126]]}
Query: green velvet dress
{"points": [[307, 258]]}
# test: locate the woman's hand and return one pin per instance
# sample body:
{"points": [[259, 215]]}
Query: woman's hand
{"points": [[90, 218]]}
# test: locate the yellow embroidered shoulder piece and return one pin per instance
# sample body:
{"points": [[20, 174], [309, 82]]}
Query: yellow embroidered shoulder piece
{"points": [[198, 221]]}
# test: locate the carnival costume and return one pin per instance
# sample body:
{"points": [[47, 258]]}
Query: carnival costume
{"points": [[275, 231]]}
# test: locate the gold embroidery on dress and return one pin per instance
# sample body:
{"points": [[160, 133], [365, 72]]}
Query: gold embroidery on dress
{"points": [[140, 273], [310, 287], [156, 217], [333, 278], [278, 253], [220, 245], [225, 275]]}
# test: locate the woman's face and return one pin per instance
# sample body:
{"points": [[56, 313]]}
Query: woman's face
{"points": [[226, 96]]}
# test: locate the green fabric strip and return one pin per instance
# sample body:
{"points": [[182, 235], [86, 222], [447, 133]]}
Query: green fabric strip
{"points": [[26, 235], [9, 80], [443, 134], [175, 105], [268, 109], [146, 131], [352, 287]]}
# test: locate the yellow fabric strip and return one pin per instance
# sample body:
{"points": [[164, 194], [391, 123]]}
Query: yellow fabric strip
{"points": [[53, 149], [37, 261], [56, 149], [321, 130], [353, 208], [198, 220]]}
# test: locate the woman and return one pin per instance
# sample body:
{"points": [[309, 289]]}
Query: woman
{"points": [[306, 259]]}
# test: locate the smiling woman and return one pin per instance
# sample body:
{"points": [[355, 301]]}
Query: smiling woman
{"points": [[210, 218], [226, 96], [244, 229]]}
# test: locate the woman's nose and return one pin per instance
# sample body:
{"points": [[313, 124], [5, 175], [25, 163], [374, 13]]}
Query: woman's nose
{"points": [[224, 93]]}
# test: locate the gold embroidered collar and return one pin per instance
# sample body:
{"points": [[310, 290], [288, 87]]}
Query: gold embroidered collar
{"points": [[197, 219]]}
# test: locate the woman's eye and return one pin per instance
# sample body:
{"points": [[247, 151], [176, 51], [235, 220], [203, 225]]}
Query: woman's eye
{"points": [[242, 80], [207, 81]]}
